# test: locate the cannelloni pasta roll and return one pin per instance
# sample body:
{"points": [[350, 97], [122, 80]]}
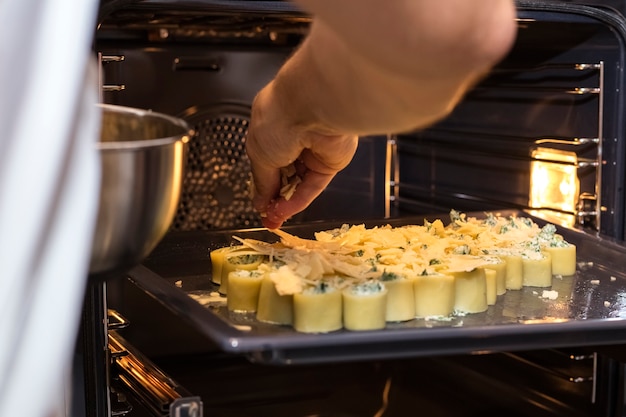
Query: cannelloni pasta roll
{"points": [[514, 271], [470, 291], [217, 262], [498, 265], [537, 269], [563, 253], [490, 276], [365, 306], [273, 307], [400, 297], [434, 295], [243, 290], [318, 309], [238, 259], [563, 259]]}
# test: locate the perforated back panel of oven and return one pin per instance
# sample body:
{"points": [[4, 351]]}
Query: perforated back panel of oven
{"points": [[215, 189]]}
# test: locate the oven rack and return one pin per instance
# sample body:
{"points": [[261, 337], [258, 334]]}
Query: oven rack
{"points": [[590, 309], [445, 142], [565, 364], [147, 383]]}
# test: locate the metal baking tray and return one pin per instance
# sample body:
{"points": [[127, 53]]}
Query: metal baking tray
{"points": [[590, 309]]}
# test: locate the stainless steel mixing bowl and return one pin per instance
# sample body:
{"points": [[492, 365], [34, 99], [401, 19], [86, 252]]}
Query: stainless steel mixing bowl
{"points": [[143, 158]]}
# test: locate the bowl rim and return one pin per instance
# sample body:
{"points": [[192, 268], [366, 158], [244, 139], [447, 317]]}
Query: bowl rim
{"points": [[185, 135]]}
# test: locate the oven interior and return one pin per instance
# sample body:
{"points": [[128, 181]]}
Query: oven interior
{"points": [[547, 102], [543, 133]]}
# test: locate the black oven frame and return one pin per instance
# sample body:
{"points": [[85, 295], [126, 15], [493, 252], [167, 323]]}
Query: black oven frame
{"points": [[120, 22]]}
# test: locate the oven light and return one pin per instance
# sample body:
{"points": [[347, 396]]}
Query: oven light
{"points": [[554, 180]]}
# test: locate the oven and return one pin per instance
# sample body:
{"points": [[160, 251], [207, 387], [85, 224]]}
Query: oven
{"points": [[543, 135]]}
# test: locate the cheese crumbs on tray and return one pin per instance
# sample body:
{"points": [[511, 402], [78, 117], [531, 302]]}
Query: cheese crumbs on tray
{"points": [[468, 263]]}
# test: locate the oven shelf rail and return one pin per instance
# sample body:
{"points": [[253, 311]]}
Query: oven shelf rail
{"points": [[450, 145]]}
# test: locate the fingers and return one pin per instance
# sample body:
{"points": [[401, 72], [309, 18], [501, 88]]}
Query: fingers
{"points": [[280, 209], [273, 144], [315, 169], [265, 186], [266, 158]]}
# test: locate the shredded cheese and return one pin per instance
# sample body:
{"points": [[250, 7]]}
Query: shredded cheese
{"points": [[358, 254]]}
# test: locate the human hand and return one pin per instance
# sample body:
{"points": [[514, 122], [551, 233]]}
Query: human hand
{"points": [[279, 150], [407, 71]]}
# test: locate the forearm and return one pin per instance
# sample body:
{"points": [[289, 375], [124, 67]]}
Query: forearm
{"points": [[378, 78], [393, 31]]}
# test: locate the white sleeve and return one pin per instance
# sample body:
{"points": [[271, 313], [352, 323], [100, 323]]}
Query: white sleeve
{"points": [[49, 187]]}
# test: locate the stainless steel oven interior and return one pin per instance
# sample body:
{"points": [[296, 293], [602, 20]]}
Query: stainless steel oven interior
{"points": [[543, 133]]}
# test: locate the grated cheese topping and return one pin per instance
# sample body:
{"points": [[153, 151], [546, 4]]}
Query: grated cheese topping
{"points": [[355, 254]]}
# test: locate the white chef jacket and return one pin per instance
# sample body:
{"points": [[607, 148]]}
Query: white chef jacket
{"points": [[49, 187]]}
